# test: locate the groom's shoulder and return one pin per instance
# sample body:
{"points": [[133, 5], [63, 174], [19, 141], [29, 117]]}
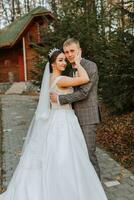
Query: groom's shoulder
{"points": [[89, 64]]}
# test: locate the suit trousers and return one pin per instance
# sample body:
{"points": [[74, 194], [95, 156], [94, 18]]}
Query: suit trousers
{"points": [[89, 132]]}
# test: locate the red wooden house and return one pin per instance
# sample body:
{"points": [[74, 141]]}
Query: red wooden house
{"points": [[16, 54]]}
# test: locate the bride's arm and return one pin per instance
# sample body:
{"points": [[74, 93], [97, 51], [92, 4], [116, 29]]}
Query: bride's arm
{"points": [[66, 81], [81, 78], [84, 90]]}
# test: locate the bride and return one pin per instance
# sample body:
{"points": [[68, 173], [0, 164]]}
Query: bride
{"points": [[54, 164]]}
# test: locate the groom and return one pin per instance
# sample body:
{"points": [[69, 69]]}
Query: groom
{"points": [[84, 99]]}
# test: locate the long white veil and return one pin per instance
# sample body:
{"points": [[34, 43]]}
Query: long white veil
{"points": [[43, 107], [40, 120]]}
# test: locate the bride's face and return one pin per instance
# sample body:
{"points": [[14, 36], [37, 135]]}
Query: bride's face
{"points": [[60, 62]]}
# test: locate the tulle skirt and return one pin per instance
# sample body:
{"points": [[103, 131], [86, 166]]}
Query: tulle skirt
{"points": [[55, 164]]}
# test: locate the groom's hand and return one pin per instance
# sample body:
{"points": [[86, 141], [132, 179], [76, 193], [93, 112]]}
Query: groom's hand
{"points": [[53, 97]]}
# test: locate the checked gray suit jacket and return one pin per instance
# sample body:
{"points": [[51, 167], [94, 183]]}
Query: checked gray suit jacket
{"points": [[84, 99]]}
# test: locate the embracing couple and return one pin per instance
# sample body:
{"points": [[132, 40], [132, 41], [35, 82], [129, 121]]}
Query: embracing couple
{"points": [[58, 160]]}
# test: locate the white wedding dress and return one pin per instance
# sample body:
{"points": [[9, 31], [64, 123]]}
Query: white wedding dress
{"points": [[56, 165]]}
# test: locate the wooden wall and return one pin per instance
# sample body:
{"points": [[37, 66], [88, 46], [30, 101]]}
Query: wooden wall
{"points": [[33, 35], [31, 54], [8, 64]]}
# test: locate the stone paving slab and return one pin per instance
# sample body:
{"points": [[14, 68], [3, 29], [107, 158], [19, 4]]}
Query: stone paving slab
{"points": [[17, 112]]}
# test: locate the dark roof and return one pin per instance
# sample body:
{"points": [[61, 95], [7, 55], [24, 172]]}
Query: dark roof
{"points": [[10, 34]]}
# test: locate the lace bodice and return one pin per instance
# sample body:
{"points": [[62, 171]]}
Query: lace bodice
{"points": [[60, 91]]}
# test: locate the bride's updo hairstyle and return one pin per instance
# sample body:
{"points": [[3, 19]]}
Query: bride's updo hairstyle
{"points": [[52, 55]]}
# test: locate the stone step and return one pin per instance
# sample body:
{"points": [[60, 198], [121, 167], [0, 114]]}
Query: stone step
{"points": [[16, 88]]}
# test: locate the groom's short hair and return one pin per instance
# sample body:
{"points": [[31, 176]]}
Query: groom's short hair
{"points": [[70, 41]]}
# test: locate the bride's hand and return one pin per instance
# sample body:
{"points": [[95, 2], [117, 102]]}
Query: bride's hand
{"points": [[77, 59]]}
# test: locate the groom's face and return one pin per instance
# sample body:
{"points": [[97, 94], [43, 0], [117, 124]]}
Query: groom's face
{"points": [[71, 51]]}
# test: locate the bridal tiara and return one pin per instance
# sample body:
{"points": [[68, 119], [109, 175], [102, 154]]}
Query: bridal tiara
{"points": [[52, 51]]}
